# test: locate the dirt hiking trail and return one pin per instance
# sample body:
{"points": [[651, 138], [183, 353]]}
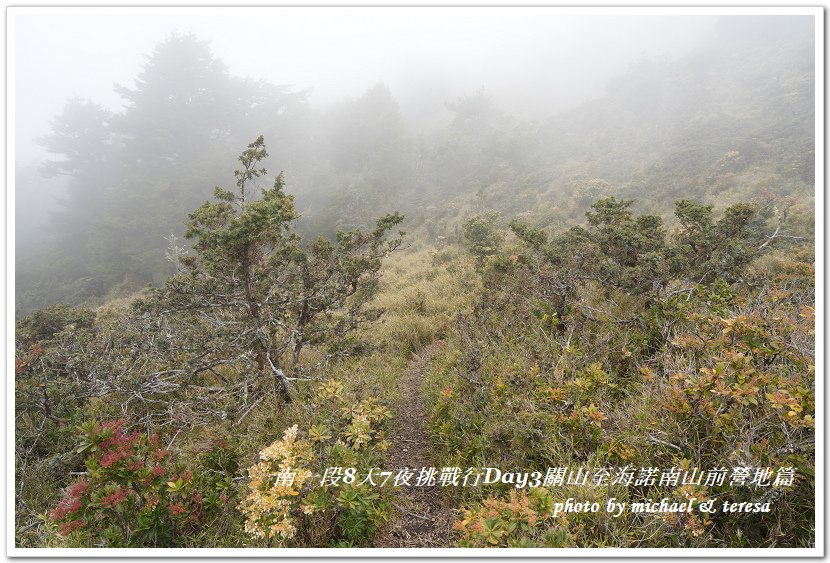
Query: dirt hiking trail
{"points": [[425, 518]]}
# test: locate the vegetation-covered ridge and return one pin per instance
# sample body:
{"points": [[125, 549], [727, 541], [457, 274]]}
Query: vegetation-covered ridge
{"points": [[626, 285], [159, 404], [619, 342], [728, 122]]}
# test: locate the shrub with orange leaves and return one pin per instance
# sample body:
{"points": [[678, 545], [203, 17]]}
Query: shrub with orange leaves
{"points": [[524, 519]]}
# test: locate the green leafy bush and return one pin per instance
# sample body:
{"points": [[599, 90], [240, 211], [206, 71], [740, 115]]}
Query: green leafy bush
{"points": [[134, 495], [290, 502]]}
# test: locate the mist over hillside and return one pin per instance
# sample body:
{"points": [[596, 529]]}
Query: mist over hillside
{"points": [[523, 264], [733, 117]]}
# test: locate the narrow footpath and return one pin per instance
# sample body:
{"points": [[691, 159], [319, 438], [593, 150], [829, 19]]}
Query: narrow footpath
{"points": [[424, 516]]}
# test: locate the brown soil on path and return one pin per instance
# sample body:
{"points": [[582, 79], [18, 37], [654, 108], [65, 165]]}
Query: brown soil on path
{"points": [[425, 518]]}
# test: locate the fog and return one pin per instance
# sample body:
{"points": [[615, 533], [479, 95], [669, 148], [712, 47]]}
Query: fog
{"points": [[125, 119], [254, 247], [531, 60]]}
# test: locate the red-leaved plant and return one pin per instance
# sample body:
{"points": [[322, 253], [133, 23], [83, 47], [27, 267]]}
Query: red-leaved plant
{"points": [[133, 494]]}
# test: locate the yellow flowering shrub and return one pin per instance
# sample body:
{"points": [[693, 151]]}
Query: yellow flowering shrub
{"points": [[290, 500], [273, 500]]}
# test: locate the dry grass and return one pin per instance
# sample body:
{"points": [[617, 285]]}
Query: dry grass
{"points": [[421, 293]]}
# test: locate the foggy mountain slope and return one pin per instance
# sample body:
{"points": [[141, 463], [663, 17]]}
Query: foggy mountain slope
{"points": [[249, 315], [665, 128], [731, 120]]}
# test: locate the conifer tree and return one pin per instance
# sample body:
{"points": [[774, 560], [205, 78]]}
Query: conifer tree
{"points": [[252, 294]]}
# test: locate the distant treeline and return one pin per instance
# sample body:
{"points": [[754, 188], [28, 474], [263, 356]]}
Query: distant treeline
{"points": [[730, 122]]}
